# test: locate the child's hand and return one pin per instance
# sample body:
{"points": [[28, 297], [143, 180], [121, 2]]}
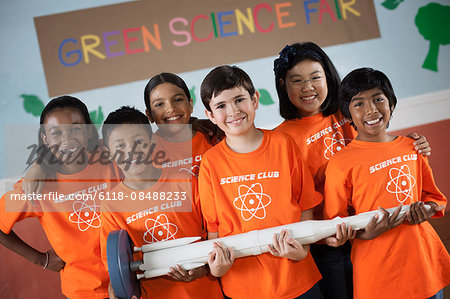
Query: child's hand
{"points": [[180, 274], [112, 295], [343, 233], [374, 228], [111, 292], [418, 213], [284, 246], [421, 144], [220, 259], [55, 263], [212, 132]]}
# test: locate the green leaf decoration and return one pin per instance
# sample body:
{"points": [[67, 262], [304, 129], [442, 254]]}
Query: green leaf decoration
{"points": [[433, 21], [391, 4], [32, 104], [97, 117], [265, 98], [192, 92]]}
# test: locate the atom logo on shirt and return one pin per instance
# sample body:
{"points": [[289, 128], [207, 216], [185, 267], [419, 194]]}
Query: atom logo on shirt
{"points": [[159, 229], [334, 144], [401, 183], [86, 216], [252, 201], [193, 170]]}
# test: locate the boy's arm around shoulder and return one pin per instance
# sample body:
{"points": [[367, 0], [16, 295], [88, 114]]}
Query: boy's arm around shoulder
{"points": [[421, 144]]}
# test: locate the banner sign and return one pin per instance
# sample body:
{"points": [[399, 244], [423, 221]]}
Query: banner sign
{"points": [[132, 41]]}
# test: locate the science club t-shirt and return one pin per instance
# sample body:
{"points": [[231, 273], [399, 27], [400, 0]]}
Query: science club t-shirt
{"points": [[168, 210], [240, 192], [319, 137], [184, 157], [70, 217], [409, 261]]}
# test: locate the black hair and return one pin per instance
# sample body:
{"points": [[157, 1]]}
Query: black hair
{"points": [[160, 79], [44, 155], [124, 115], [289, 57], [222, 78], [67, 101], [360, 80]]}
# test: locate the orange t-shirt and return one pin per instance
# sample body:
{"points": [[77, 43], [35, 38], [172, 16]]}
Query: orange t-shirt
{"points": [[72, 225], [153, 221], [408, 261], [241, 192], [184, 157], [319, 138]]}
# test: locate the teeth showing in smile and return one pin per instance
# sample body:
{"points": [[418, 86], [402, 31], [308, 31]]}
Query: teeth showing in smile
{"points": [[68, 150], [372, 122], [309, 98], [236, 121], [173, 118]]}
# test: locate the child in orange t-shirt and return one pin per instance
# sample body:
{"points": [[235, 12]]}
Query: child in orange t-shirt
{"points": [[254, 179], [307, 84], [391, 259], [147, 219], [69, 214], [168, 104]]}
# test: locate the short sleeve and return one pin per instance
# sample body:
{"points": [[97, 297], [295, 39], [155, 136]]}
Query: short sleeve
{"points": [[14, 207], [196, 206], [207, 199], [308, 196], [430, 191], [108, 225], [337, 191]]}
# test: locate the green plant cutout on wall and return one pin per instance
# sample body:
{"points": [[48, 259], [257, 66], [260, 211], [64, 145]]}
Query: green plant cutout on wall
{"points": [[265, 98], [192, 92], [97, 117], [34, 105], [391, 4], [433, 23]]}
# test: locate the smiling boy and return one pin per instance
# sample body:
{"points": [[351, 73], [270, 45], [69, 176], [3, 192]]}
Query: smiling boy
{"points": [[269, 186], [152, 205], [391, 259]]}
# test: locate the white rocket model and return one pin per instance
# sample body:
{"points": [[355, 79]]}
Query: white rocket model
{"points": [[159, 257]]}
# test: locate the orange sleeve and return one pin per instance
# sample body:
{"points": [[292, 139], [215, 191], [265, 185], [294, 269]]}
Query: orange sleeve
{"points": [[207, 198], [430, 191], [309, 197], [337, 191], [196, 206], [13, 211], [108, 225]]}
